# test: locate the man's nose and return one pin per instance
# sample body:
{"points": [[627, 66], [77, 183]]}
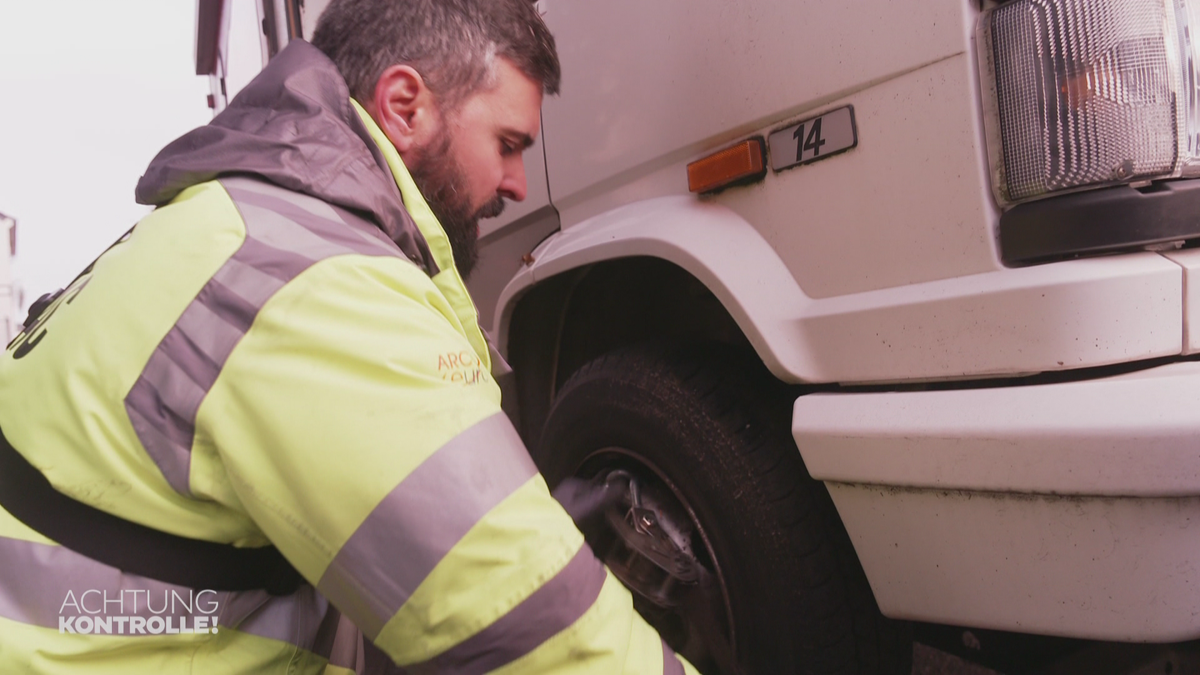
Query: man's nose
{"points": [[513, 186]]}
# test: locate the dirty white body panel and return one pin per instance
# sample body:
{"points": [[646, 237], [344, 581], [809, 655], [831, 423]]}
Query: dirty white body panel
{"points": [[1084, 567], [1069, 508], [911, 203]]}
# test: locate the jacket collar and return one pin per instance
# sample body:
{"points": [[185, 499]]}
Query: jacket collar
{"points": [[295, 126]]}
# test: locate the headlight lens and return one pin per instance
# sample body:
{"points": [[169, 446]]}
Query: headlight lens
{"points": [[1083, 93]]}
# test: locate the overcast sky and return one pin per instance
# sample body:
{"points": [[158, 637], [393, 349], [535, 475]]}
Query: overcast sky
{"points": [[89, 92]]}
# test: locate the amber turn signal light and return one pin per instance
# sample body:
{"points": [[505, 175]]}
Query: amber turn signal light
{"points": [[742, 161]]}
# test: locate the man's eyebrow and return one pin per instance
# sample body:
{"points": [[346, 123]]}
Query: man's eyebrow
{"points": [[524, 139]]}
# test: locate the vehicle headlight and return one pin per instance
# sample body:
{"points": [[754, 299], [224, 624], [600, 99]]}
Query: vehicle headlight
{"points": [[1083, 93]]}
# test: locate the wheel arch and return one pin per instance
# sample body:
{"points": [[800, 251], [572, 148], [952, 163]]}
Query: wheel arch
{"points": [[662, 269]]}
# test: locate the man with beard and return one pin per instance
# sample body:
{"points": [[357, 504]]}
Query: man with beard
{"points": [[266, 414]]}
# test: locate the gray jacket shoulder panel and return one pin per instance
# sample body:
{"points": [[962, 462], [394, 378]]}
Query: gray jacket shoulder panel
{"points": [[293, 126]]}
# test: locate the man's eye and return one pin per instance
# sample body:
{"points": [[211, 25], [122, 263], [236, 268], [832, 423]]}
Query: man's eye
{"points": [[507, 148]]}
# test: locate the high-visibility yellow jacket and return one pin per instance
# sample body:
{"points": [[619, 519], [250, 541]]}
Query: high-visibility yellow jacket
{"points": [[283, 353]]}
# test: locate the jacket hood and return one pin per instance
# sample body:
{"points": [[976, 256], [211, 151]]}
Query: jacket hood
{"points": [[293, 126]]}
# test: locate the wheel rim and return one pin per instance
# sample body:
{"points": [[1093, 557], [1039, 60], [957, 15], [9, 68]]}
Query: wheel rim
{"points": [[691, 612]]}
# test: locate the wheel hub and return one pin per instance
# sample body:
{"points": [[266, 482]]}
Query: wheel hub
{"points": [[650, 547], [656, 539]]}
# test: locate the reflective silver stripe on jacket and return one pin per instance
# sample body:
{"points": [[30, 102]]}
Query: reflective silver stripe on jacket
{"points": [[286, 233], [421, 519], [35, 580]]}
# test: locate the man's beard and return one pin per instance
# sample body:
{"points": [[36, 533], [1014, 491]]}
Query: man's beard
{"points": [[442, 182]]}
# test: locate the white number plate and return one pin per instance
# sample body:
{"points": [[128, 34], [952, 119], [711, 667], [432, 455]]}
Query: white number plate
{"points": [[813, 139]]}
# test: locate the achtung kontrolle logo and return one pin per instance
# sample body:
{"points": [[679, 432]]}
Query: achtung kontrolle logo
{"points": [[138, 612]]}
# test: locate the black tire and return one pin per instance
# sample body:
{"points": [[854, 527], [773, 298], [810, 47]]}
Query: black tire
{"points": [[713, 426]]}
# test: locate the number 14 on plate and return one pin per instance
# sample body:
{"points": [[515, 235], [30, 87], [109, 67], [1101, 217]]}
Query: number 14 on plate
{"points": [[813, 139]]}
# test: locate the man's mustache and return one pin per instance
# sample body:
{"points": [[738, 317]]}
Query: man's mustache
{"points": [[491, 209]]}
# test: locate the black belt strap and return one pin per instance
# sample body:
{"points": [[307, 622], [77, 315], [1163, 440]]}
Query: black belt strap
{"points": [[134, 548]]}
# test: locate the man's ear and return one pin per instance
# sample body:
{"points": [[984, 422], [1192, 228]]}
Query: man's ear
{"points": [[404, 108]]}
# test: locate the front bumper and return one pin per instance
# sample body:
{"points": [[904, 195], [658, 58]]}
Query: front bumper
{"points": [[1066, 509]]}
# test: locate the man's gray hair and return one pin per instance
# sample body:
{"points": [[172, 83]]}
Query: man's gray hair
{"points": [[452, 43]]}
